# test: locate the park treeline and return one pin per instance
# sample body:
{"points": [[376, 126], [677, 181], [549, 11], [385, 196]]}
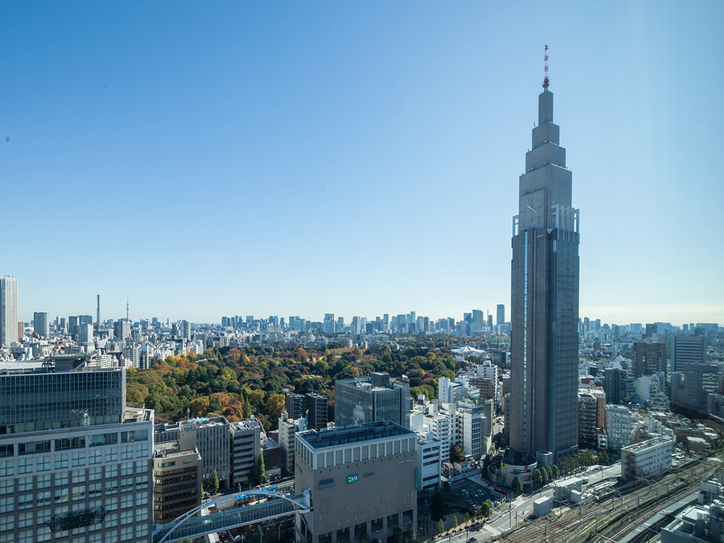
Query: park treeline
{"points": [[237, 383]]}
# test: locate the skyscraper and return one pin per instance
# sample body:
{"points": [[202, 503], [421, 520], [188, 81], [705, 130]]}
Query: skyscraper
{"points": [[500, 318], [8, 310], [544, 298], [41, 325]]}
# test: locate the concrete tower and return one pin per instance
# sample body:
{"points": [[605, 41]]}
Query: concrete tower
{"points": [[544, 298], [8, 310]]}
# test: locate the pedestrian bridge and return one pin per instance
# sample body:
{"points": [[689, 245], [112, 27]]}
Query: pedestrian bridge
{"points": [[190, 526]]}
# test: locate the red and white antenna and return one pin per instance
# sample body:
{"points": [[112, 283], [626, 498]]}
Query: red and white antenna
{"points": [[546, 81]]}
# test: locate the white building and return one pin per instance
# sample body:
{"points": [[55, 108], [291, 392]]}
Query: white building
{"points": [[441, 427], [429, 462], [8, 310], [287, 430], [647, 459], [619, 426]]}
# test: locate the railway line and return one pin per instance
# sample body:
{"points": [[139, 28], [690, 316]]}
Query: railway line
{"points": [[617, 511]]}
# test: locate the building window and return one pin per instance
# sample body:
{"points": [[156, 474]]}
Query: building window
{"points": [[42, 463], [78, 493], [142, 515], [7, 522], [61, 461], [126, 501], [25, 519], [43, 534], [95, 474], [142, 466], [95, 457], [111, 487], [142, 450], [43, 498], [7, 486], [111, 454], [111, 471], [142, 530], [7, 505], [111, 520], [141, 498], [126, 452], [78, 459], [25, 465], [61, 495], [78, 476], [61, 478], [126, 468], [25, 484], [127, 533], [25, 502]]}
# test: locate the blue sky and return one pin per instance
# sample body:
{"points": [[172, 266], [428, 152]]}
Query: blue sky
{"points": [[358, 158]]}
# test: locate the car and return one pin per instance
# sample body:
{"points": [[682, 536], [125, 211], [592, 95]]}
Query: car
{"points": [[472, 540]]}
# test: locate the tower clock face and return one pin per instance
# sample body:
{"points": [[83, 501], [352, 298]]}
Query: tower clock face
{"points": [[532, 207]]}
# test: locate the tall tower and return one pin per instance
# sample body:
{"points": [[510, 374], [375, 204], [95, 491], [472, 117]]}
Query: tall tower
{"points": [[544, 298], [8, 310]]}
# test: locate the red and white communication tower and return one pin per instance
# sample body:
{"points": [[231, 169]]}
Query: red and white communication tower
{"points": [[546, 81]]}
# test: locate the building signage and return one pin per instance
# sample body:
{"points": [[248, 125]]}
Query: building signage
{"points": [[352, 478], [326, 483]]}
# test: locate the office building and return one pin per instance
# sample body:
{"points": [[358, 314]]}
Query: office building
{"points": [[691, 385], [500, 314], [294, 404], [591, 418], [75, 463], [316, 411], [177, 481], [364, 479], [647, 459], [85, 336], [246, 437], [429, 461], [544, 299], [615, 385], [121, 329], [185, 330], [41, 326], [371, 399], [8, 310], [210, 436], [687, 350], [649, 358], [619, 425], [288, 428]]}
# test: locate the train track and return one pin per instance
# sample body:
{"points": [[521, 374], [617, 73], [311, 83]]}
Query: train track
{"points": [[615, 513]]}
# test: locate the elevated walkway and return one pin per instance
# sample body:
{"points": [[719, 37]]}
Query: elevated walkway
{"points": [[189, 526]]}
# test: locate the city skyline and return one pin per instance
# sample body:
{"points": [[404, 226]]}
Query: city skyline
{"points": [[359, 159]]}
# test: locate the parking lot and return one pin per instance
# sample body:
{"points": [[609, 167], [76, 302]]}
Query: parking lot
{"points": [[472, 492]]}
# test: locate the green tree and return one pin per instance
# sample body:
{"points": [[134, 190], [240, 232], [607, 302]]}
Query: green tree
{"points": [[440, 527], [456, 453], [260, 470], [479, 513], [554, 472], [214, 483], [485, 509], [455, 522], [517, 486], [549, 473], [467, 517], [603, 457]]}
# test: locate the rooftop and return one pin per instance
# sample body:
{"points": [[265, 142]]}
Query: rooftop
{"points": [[637, 447], [356, 433]]}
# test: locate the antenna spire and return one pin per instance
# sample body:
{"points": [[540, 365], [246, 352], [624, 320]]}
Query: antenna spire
{"points": [[127, 309], [546, 81]]}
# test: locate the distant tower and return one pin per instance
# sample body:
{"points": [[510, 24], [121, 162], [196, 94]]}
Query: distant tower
{"points": [[98, 311], [8, 310], [127, 309]]}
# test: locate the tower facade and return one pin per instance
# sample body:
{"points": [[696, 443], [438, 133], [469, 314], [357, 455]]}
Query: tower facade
{"points": [[8, 310], [544, 299]]}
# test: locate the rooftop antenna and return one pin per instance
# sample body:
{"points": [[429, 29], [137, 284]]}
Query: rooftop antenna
{"points": [[127, 309], [98, 312], [546, 81]]}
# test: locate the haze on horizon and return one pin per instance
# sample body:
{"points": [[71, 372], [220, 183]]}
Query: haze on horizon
{"points": [[356, 159]]}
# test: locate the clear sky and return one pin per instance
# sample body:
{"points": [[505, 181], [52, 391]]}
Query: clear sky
{"points": [[357, 158]]}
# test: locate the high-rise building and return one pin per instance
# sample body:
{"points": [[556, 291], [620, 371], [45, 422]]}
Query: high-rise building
{"points": [[500, 316], [8, 310], [41, 326], [73, 459], [544, 299], [316, 411], [649, 358], [370, 399], [687, 350], [294, 404]]}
